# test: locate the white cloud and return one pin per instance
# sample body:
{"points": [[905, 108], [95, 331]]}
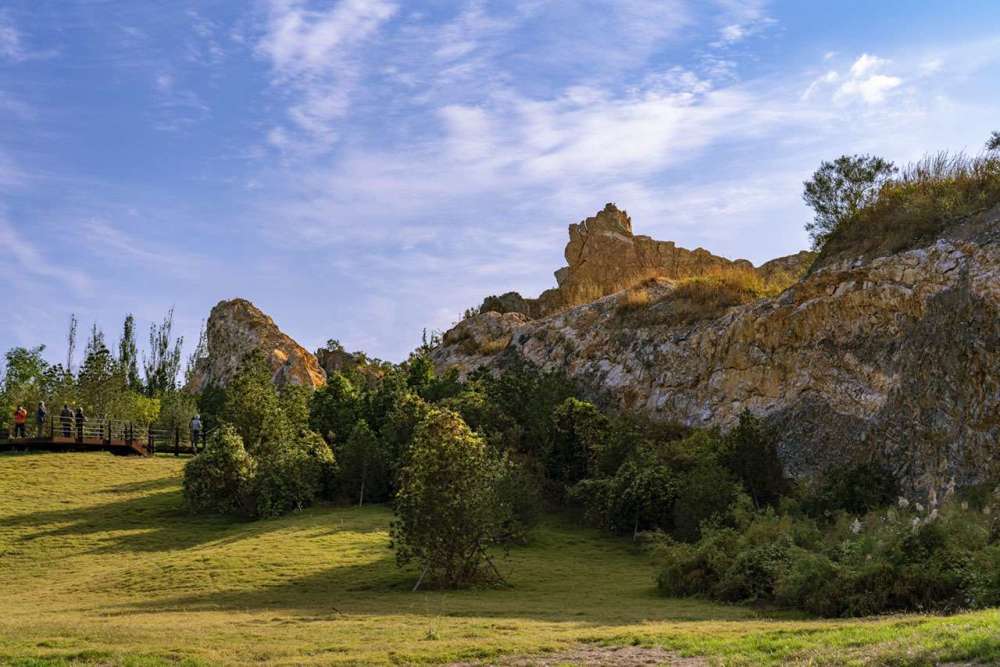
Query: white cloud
{"points": [[864, 81], [314, 55]]}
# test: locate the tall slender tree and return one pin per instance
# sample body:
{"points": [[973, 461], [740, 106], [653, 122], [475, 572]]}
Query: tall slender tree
{"points": [[164, 361], [71, 343], [128, 354]]}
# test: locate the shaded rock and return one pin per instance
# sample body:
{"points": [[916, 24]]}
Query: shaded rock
{"points": [[236, 329]]}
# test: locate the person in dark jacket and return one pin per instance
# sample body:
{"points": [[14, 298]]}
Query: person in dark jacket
{"points": [[66, 419], [41, 415], [81, 419]]}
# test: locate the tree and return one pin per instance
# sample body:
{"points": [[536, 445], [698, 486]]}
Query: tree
{"points": [[335, 408], [448, 509], [839, 189], [751, 455], [579, 432], [250, 404], [71, 344], [164, 361], [128, 354], [364, 468], [994, 142], [220, 479]]}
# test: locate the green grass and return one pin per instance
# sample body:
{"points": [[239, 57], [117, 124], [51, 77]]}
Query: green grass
{"points": [[99, 564]]}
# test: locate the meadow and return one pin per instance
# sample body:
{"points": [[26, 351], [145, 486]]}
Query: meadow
{"points": [[101, 564]]}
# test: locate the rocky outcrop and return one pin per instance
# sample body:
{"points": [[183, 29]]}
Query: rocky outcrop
{"points": [[897, 356], [603, 256], [236, 329]]}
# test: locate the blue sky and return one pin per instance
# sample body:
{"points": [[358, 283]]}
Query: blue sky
{"points": [[362, 169]]}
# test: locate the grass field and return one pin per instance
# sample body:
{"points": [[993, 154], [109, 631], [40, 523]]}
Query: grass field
{"points": [[99, 564]]}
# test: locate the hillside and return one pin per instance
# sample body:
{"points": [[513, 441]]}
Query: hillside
{"points": [[895, 355], [100, 565]]}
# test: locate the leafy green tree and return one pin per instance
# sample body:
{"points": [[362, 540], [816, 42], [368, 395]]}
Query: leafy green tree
{"points": [[295, 403], [750, 453], [335, 408], [839, 189], [706, 492], [250, 404], [128, 354], [292, 474], [579, 432], [221, 478], [398, 430], [364, 466], [449, 512], [25, 381], [163, 364]]}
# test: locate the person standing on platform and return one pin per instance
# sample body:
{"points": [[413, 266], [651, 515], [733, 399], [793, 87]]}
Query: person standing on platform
{"points": [[66, 419], [81, 419], [41, 415]]}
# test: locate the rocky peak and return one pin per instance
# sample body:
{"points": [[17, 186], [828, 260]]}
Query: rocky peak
{"points": [[604, 256], [235, 329]]}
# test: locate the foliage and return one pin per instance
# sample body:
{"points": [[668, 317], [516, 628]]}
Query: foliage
{"points": [[856, 488], [751, 455], [930, 195], [908, 558], [840, 189], [364, 466], [250, 404], [993, 144], [292, 474], [335, 408], [163, 364], [220, 479], [448, 509], [579, 430]]}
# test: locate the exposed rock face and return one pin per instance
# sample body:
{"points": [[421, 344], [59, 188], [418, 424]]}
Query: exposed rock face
{"points": [[237, 328], [603, 256], [899, 355]]}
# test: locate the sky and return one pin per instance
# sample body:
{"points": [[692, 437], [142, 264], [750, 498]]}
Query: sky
{"points": [[365, 169]]}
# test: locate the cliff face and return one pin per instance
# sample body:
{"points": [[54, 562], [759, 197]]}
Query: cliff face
{"points": [[603, 256], [237, 328], [898, 355]]}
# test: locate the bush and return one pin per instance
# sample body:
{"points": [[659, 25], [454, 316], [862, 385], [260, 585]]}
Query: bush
{"points": [[220, 479], [855, 488], [706, 494], [292, 475], [905, 559], [448, 509]]}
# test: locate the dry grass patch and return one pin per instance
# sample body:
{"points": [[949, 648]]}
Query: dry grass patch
{"points": [[914, 209]]}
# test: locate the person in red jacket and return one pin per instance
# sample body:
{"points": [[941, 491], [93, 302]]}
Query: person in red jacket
{"points": [[20, 421]]}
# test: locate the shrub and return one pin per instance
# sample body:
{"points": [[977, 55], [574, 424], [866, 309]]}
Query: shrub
{"points": [[448, 508], [887, 561], [855, 488], [292, 475], [220, 479], [706, 494]]}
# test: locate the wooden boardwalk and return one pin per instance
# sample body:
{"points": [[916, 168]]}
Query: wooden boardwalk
{"points": [[59, 443], [96, 435]]}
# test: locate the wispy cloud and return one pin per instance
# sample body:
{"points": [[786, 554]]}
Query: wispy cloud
{"points": [[314, 55], [30, 263]]}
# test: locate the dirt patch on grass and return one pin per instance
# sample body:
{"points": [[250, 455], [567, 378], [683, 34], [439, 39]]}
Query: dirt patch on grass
{"points": [[625, 656]]}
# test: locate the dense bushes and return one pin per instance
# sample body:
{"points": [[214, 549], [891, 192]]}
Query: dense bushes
{"points": [[907, 558], [279, 477]]}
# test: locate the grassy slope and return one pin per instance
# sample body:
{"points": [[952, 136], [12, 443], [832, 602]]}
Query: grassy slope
{"points": [[98, 563]]}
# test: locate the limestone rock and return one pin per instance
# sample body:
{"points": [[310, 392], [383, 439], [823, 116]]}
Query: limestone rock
{"points": [[603, 256], [897, 356], [237, 328]]}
